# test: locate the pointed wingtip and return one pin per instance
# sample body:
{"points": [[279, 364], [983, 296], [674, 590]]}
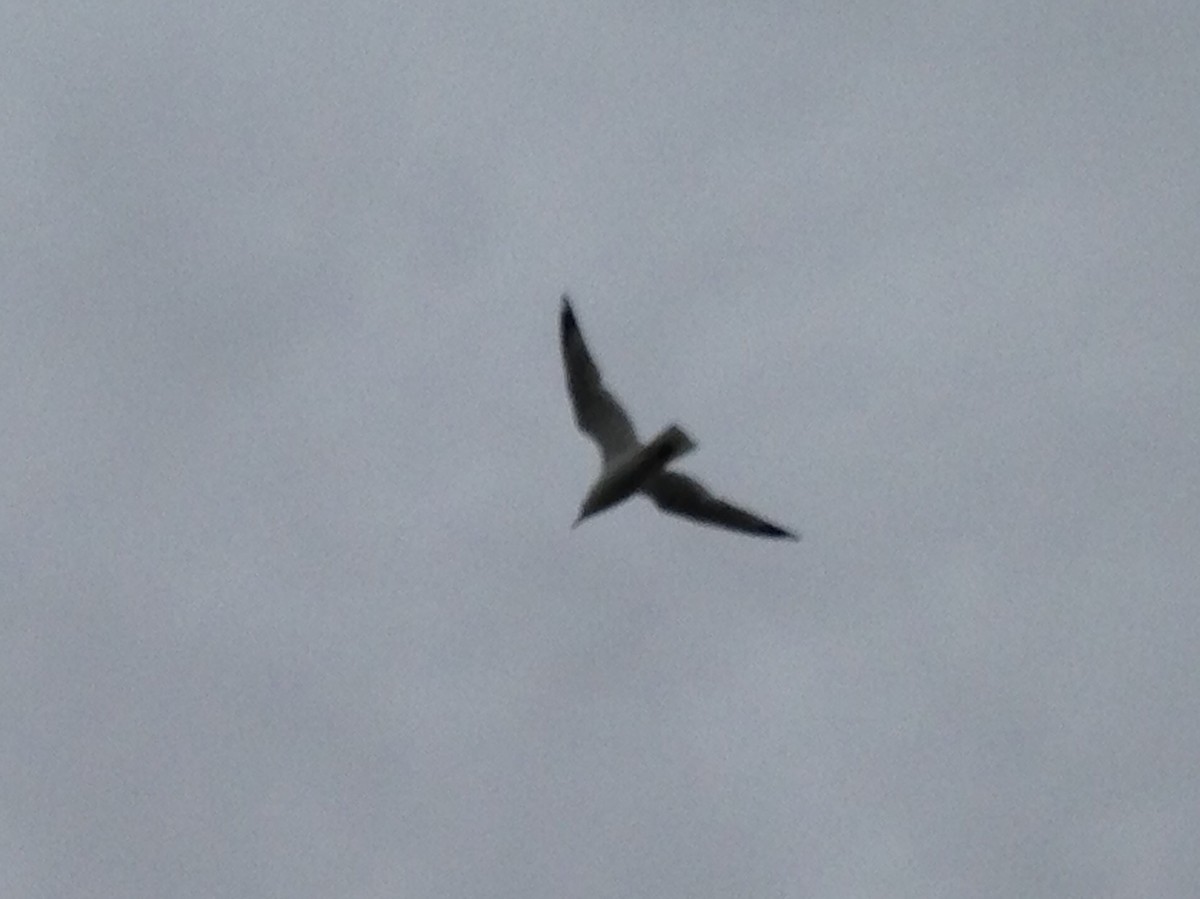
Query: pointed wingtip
{"points": [[774, 530], [567, 316]]}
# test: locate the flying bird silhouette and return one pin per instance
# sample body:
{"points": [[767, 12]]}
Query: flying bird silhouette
{"points": [[629, 466]]}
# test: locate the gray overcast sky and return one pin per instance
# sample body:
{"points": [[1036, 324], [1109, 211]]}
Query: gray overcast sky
{"points": [[291, 606]]}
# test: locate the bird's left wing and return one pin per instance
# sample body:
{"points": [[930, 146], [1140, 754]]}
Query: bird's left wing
{"points": [[680, 495]]}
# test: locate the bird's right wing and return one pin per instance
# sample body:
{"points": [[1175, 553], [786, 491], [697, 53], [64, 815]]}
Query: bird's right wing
{"points": [[680, 495], [597, 412]]}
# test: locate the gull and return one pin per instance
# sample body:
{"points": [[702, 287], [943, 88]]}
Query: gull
{"points": [[629, 466]]}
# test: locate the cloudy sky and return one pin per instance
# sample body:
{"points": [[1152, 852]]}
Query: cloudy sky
{"points": [[290, 602]]}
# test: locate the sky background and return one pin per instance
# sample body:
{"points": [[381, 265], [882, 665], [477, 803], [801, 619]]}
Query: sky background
{"points": [[289, 601]]}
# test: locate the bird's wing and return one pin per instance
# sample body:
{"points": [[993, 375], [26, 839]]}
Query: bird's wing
{"points": [[597, 412], [680, 495]]}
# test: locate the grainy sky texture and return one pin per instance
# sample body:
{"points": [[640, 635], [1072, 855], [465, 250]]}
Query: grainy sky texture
{"points": [[290, 602]]}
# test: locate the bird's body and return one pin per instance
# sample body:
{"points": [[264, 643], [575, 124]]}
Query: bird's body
{"points": [[628, 465], [626, 474]]}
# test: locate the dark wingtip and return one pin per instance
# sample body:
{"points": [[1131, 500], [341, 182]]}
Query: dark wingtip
{"points": [[774, 530], [568, 315]]}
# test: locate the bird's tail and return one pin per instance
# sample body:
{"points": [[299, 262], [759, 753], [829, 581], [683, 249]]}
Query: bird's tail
{"points": [[671, 443]]}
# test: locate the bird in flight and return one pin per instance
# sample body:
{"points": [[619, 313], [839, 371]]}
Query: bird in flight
{"points": [[629, 466]]}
